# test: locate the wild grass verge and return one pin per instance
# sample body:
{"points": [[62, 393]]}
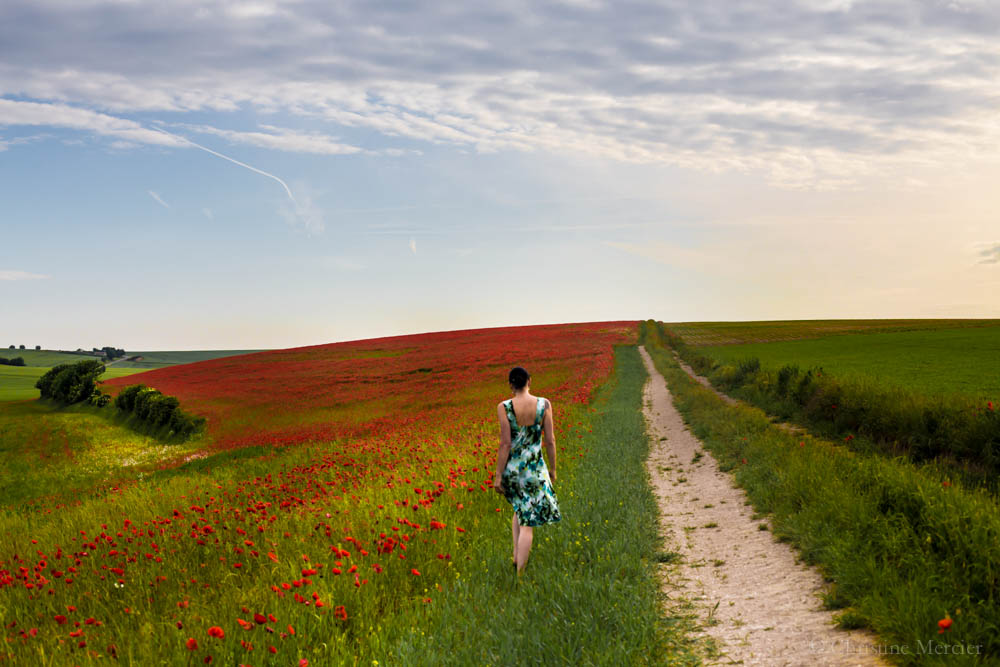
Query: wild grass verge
{"points": [[902, 548], [955, 433]]}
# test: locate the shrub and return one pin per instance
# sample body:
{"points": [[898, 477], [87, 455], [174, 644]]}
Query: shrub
{"points": [[785, 376], [70, 383], [157, 410]]}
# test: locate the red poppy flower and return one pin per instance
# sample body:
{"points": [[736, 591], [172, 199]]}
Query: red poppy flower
{"points": [[944, 625], [216, 631], [259, 619], [192, 644]]}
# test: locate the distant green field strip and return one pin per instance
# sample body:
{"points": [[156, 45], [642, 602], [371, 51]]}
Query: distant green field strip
{"points": [[46, 358], [17, 383], [948, 361], [735, 333], [173, 357]]}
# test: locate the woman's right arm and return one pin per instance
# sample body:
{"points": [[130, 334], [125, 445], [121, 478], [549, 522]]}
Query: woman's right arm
{"points": [[504, 452]]}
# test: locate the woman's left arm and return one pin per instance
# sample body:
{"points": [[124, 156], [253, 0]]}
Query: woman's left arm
{"points": [[504, 452]]}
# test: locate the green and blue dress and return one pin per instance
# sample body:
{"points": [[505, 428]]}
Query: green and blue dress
{"points": [[525, 482]]}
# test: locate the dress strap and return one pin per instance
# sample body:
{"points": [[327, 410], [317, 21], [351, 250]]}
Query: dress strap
{"points": [[509, 409], [539, 411]]}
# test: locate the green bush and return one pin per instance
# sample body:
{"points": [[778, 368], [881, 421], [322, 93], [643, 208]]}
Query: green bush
{"points": [[70, 383], [157, 410]]}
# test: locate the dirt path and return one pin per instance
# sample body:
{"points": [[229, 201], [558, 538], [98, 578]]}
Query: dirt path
{"points": [[703, 381], [750, 592]]}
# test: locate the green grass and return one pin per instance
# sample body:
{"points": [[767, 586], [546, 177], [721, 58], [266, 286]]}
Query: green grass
{"points": [[947, 361], [900, 548], [17, 383], [48, 451]]}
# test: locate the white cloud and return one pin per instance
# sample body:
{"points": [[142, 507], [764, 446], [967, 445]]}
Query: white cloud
{"points": [[282, 139], [159, 200], [818, 93], [8, 274], [207, 212], [17, 112], [413, 246]]}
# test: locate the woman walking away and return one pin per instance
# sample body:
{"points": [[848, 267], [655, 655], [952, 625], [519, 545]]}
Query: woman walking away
{"points": [[522, 476]]}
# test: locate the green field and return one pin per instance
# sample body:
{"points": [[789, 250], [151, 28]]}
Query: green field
{"points": [[154, 359], [734, 333], [173, 357], [17, 383], [963, 361], [45, 358]]}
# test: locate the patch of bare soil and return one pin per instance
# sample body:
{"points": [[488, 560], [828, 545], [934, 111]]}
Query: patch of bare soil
{"points": [[753, 597]]}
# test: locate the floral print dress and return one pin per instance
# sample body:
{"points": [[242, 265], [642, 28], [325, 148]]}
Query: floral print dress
{"points": [[525, 481]]}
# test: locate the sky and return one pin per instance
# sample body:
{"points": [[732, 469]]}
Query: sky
{"points": [[272, 173]]}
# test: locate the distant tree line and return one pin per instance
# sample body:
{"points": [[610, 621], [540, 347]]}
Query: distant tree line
{"points": [[156, 409], [111, 352], [16, 361]]}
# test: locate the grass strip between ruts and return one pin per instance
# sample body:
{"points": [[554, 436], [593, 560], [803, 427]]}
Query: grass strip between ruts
{"points": [[902, 550], [589, 594]]}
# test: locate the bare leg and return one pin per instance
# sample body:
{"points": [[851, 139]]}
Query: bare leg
{"points": [[514, 530], [523, 546]]}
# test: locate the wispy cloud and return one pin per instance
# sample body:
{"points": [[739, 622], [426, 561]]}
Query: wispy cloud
{"points": [[158, 198], [18, 112], [413, 246], [207, 212], [990, 255], [282, 139], [11, 274]]}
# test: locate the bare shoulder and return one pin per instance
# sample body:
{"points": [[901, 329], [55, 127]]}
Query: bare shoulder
{"points": [[548, 403]]}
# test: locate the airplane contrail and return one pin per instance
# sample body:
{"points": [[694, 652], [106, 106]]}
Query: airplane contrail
{"points": [[234, 161]]}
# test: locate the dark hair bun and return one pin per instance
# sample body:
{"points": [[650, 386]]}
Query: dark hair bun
{"points": [[518, 378]]}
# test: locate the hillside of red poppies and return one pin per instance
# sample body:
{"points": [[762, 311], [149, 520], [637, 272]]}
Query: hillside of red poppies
{"points": [[341, 390], [302, 551]]}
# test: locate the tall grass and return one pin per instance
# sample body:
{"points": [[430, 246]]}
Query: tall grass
{"points": [[902, 547]]}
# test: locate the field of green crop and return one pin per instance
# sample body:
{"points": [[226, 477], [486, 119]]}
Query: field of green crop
{"points": [[45, 358], [733, 333], [939, 362], [173, 357]]}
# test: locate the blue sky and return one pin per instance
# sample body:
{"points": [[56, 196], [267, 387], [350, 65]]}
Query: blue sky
{"points": [[193, 175]]}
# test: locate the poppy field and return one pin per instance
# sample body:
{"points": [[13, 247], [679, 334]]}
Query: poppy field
{"points": [[340, 495]]}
